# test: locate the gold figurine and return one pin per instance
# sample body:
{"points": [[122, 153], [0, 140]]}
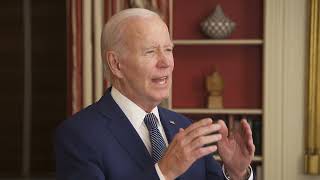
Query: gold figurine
{"points": [[214, 84]]}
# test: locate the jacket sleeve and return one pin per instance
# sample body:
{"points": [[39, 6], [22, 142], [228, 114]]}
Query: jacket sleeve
{"points": [[213, 169], [77, 159]]}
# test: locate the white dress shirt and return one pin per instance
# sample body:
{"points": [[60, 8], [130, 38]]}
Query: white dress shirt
{"points": [[136, 115]]}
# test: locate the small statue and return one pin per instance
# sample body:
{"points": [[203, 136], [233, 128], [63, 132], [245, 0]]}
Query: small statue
{"points": [[215, 84]]}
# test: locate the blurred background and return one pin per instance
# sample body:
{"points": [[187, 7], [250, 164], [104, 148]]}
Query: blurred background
{"points": [[33, 84]]}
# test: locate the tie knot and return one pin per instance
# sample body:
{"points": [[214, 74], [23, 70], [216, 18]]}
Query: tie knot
{"points": [[151, 121]]}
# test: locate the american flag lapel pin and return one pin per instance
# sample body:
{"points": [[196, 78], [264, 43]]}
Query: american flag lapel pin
{"points": [[172, 122]]}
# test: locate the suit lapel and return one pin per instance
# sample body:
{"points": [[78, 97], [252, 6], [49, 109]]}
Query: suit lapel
{"points": [[169, 125], [123, 131]]}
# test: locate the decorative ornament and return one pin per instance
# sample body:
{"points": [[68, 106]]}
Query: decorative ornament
{"points": [[217, 25], [215, 84]]}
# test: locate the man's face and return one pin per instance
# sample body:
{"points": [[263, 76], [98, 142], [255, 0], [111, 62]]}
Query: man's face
{"points": [[147, 64]]}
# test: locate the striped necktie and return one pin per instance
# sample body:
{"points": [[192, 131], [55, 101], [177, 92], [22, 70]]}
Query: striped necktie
{"points": [[157, 142]]}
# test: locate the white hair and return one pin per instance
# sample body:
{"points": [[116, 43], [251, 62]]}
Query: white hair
{"points": [[112, 30]]}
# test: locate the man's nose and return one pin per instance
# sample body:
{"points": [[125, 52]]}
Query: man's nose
{"points": [[164, 59]]}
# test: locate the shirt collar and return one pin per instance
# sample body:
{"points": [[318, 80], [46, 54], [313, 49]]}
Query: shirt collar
{"points": [[134, 113]]}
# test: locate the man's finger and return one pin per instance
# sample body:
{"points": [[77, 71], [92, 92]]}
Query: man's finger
{"points": [[202, 122], [245, 127], [200, 152], [204, 140], [248, 137], [246, 131], [201, 131], [178, 137], [223, 130]]}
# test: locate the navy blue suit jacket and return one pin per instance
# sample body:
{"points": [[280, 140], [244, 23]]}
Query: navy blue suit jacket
{"points": [[100, 143]]}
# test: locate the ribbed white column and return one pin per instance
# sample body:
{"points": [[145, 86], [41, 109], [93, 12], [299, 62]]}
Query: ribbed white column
{"points": [[87, 52], [98, 24], [273, 83]]}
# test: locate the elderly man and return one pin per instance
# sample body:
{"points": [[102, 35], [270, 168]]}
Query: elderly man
{"points": [[125, 135]]}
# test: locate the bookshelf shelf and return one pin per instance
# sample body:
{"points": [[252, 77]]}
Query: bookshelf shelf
{"points": [[219, 42], [218, 111]]}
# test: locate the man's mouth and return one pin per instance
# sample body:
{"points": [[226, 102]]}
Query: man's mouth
{"points": [[161, 81]]}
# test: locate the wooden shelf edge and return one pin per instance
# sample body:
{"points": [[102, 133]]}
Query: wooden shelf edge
{"points": [[255, 158], [218, 111], [218, 42]]}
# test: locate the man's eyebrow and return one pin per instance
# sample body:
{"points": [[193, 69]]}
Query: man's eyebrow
{"points": [[171, 45], [152, 46]]}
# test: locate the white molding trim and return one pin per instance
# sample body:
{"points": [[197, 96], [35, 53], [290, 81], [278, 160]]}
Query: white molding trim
{"points": [[286, 32], [98, 18], [273, 85], [295, 51], [87, 53]]}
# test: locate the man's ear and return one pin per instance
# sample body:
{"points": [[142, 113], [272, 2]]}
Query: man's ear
{"points": [[114, 63]]}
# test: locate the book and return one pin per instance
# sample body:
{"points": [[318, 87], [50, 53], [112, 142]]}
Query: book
{"points": [[257, 135]]}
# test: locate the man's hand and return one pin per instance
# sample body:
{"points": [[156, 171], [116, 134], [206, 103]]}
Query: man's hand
{"points": [[187, 146], [237, 149]]}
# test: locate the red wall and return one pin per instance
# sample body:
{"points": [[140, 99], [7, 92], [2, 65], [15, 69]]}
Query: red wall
{"points": [[239, 65]]}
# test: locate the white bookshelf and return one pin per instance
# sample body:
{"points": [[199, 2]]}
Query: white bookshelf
{"points": [[218, 42], [255, 158], [217, 111]]}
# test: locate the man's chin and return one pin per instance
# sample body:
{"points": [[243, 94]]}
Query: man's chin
{"points": [[160, 98]]}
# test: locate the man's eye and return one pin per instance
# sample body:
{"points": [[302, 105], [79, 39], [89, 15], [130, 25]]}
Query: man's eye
{"points": [[169, 49], [150, 52]]}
